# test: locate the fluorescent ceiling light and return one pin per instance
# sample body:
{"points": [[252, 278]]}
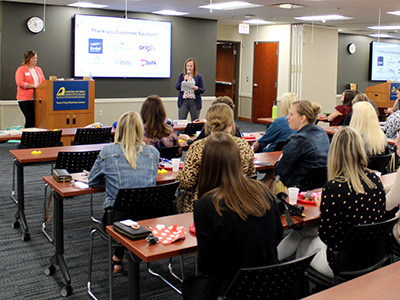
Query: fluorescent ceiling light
{"points": [[87, 5], [287, 5], [230, 5], [381, 35], [323, 18], [397, 12], [257, 22], [170, 12], [386, 27]]}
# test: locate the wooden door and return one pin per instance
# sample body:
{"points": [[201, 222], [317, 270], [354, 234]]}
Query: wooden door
{"points": [[264, 79]]}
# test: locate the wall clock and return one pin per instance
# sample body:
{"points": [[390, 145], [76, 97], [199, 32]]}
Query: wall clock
{"points": [[35, 24], [352, 48]]}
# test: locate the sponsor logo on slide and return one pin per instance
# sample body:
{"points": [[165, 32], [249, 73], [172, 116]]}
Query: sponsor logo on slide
{"points": [[380, 60], [147, 48], [96, 46], [145, 62]]}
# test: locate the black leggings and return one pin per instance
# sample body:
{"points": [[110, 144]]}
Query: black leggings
{"points": [[116, 216], [28, 109]]}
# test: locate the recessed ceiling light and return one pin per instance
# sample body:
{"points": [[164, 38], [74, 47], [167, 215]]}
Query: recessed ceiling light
{"points": [[258, 22], [381, 35], [230, 5], [385, 27], [87, 5], [288, 5], [323, 18], [170, 12], [397, 12]]}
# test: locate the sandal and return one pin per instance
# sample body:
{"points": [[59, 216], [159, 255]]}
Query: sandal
{"points": [[117, 266]]}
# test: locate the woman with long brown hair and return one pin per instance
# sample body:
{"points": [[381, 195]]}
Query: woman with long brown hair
{"points": [[237, 222]]}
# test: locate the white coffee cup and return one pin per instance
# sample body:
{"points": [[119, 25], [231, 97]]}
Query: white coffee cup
{"points": [[293, 194], [175, 164]]}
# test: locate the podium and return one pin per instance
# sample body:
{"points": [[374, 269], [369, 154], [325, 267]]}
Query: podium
{"points": [[64, 103], [383, 94]]}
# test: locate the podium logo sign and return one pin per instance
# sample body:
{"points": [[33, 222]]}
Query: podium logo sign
{"points": [[70, 95], [393, 90], [96, 46]]}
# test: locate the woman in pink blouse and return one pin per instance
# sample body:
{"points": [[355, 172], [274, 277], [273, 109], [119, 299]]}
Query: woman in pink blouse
{"points": [[28, 77]]}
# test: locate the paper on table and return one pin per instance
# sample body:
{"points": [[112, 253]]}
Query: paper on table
{"points": [[187, 86]]}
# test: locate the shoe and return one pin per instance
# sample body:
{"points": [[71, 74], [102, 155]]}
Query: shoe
{"points": [[117, 265]]}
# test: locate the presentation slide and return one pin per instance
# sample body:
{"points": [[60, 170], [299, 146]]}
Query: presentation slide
{"points": [[119, 47], [385, 61]]}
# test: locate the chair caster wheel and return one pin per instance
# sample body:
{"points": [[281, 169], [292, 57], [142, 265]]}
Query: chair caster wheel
{"points": [[26, 236], [50, 270], [66, 290], [16, 225]]}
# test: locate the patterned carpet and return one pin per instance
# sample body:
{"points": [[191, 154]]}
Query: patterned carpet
{"points": [[22, 263]]}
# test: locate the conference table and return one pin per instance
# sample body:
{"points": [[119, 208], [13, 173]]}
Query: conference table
{"points": [[331, 130]]}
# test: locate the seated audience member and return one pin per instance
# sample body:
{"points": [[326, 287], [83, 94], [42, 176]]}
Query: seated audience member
{"points": [[358, 98], [305, 149], [127, 163], [223, 99], [396, 104], [366, 122], [156, 131], [237, 221], [336, 118], [219, 118], [279, 130], [392, 125], [353, 195]]}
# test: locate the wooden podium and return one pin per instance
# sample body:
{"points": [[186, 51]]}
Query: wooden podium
{"points": [[64, 103], [383, 94]]}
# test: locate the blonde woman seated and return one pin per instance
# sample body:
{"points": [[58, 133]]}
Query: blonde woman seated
{"points": [[366, 122], [219, 118], [279, 130], [353, 195]]}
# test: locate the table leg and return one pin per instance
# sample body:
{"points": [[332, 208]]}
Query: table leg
{"points": [[133, 277], [58, 258], [20, 215]]}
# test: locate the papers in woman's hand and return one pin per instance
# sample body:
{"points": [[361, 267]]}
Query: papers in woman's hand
{"points": [[187, 86]]}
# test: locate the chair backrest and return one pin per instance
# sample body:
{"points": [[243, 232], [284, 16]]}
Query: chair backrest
{"points": [[279, 145], [364, 246], [40, 139], [316, 177], [92, 136], [379, 163], [75, 162], [192, 128], [170, 152], [147, 202], [271, 282]]}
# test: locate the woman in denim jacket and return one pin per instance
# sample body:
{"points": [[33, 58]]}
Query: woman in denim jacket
{"points": [[305, 149], [127, 163]]}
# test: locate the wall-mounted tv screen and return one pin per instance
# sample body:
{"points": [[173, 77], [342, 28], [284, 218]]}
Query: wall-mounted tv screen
{"points": [[385, 61], [119, 47]]}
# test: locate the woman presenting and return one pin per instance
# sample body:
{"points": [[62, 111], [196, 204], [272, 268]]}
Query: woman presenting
{"points": [[190, 99], [27, 77]]}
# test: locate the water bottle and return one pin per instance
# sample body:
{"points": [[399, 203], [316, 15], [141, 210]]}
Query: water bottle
{"points": [[274, 111]]}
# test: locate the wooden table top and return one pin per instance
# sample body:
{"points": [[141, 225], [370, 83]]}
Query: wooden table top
{"points": [[266, 158], [265, 120], [380, 284], [331, 130]]}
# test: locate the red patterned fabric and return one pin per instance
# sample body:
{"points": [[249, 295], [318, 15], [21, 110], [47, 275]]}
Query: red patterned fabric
{"points": [[170, 234]]}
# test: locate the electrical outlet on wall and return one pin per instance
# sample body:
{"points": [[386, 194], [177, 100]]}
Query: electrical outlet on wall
{"points": [[100, 113]]}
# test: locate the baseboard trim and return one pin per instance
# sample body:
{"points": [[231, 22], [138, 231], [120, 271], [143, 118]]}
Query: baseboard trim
{"points": [[244, 119]]}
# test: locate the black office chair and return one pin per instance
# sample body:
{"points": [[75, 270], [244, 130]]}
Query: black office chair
{"points": [[85, 136], [365, 248], [73, 162], [170, 152], [279, 145], [379, 163], [192, 128], [138, 204], [36, 139], [315, 178], [286, 280]]}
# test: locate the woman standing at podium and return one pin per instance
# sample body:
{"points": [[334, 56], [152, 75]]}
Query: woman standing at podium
{"points": [[27, 77]]}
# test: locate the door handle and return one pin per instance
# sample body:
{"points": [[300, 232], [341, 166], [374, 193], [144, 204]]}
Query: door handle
{"points": [[255, 85]]}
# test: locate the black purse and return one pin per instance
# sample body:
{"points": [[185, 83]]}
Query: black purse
{"points": [[289, 210]]}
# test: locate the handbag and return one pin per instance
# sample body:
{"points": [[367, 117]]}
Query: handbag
{"points": [[289, 210], [61, 175], [131, 233]]}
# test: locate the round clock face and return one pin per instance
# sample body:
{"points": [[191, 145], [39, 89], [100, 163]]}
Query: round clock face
{"points": [[351, 48], [35, 24]]}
